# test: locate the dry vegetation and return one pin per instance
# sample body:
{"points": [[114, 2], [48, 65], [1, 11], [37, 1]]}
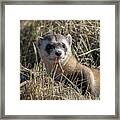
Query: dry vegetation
{"points": [[36, 84]]}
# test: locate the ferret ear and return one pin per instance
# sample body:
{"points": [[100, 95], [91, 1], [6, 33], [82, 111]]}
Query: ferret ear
{"points": [[69, 39], [38, 40]]}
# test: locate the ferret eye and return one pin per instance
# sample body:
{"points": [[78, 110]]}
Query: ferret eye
{"points": [[63, 45], [49, 46]]}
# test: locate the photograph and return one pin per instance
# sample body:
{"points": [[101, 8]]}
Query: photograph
{"points": [[60, 59]]}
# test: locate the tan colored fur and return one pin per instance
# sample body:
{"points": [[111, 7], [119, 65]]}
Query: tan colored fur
{"points": [[72, 66]]}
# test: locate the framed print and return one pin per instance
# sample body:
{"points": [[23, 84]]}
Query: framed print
{"points": [[60, 59]]}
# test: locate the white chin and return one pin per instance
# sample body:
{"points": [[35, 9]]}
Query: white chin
{"points": [[62, 60], [59, 59]]}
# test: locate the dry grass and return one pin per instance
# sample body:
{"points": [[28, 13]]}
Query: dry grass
{"points": [[38, 84]]}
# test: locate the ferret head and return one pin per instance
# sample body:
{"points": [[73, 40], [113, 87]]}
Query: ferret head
{"points": [[55, 46]]}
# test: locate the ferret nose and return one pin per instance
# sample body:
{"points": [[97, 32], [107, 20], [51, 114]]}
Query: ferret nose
{"points": [[58, 53]]}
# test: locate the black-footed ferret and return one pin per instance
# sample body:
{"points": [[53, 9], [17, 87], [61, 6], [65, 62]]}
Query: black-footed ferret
{"points": [[55, 48]]}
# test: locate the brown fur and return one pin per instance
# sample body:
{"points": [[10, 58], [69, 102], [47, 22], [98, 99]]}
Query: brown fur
{"points": [[72, 67]]}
